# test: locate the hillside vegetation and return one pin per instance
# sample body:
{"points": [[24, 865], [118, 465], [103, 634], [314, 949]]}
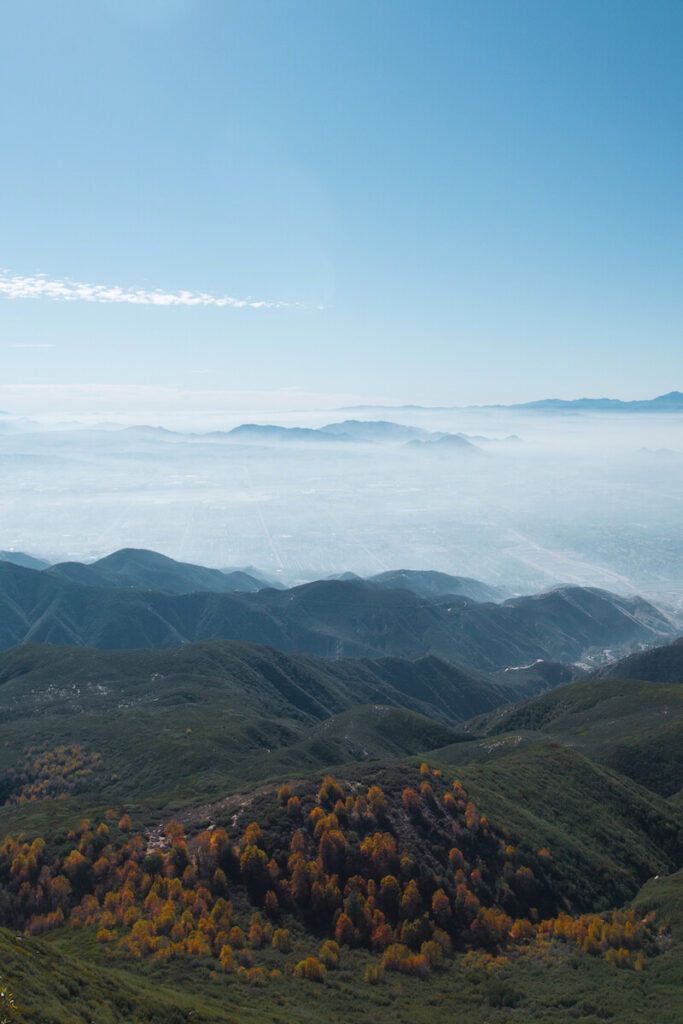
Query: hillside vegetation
{"points": [[340, 897], [201, 719]]}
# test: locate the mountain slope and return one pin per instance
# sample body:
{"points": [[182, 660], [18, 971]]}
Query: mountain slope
{"points": [[63, 680], [445, 443], [567, 624], [672, 401]]}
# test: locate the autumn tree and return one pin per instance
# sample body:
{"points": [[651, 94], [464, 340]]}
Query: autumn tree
{"points": [[411, 801], [411, 901], [329, 954], [441, 907], [330, 791], [377, 802], [283, 795], [310, 968]]}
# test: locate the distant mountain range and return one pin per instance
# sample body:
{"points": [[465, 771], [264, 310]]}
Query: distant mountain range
{"points": [[348, 431], [20, 558], [122, 605], [671, 402], [149, 570]]}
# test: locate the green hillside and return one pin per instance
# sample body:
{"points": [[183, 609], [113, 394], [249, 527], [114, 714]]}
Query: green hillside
{"points": [[634, 727], [194, 721]]}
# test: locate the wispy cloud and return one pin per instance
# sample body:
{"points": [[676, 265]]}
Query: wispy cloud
{"points": [[39, 286]]}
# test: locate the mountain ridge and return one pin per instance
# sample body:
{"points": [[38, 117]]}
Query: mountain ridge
{"points": [[139, 567], [330, 618], [672, 401]]}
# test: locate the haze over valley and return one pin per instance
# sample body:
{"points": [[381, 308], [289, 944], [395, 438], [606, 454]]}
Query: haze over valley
{"points": [[522, 499]]}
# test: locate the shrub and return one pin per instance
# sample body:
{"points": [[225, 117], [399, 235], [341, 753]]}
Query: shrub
{"points": [[282, 940], [399, 958], [374, 974], [310, 968], [329, 954], [433, 953], [500, 993]]}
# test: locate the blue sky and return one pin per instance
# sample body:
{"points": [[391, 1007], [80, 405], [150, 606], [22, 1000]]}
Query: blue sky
{"points": [[436, 202]]}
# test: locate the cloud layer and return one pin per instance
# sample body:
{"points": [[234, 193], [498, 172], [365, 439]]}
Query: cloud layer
{"points": [[41, 287], [191, 407]]}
